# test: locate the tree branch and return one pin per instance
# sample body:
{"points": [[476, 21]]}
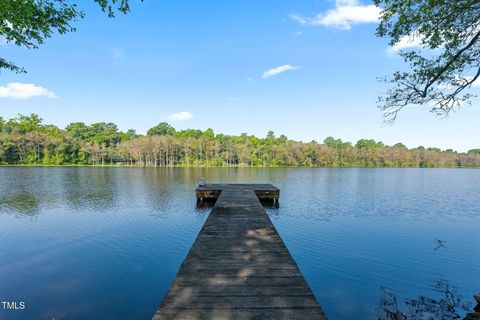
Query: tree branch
{"points": [[449, 63]]}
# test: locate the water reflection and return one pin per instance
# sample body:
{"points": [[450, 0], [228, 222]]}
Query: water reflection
{"points": [[266, 203], [21, 203], [439, 244], [447, 304], [206, 203], [127, 230], [27, 191]]}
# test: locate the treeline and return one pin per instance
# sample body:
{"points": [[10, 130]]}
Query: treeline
{"points": [[26, 140]]}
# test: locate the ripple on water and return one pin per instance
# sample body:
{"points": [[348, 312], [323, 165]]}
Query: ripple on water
{"points": [[95, 239]]}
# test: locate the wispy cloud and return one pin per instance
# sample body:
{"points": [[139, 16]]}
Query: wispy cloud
{"points": [[475, 83], [416, 40], [180, 116], [300, 19], [232, 98], [22, 91], [118, 55], [273, 72], [458, 80], [412, 41], [345, 14]]}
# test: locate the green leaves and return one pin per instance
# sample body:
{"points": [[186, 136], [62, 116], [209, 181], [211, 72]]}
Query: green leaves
{"points": [[28, 23], [161, 129], [446, 64], [110, 6]]}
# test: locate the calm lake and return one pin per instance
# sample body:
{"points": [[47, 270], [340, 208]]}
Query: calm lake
{"points": [[93, 243]]}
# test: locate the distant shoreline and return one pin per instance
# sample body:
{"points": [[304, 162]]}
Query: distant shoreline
{"points": [[225, 167], [27, 141]]}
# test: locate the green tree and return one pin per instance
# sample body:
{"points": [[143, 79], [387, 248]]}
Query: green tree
{"points": [[209, 133], [282, 139], [79, 130], [28, 23], [368, 144], [129, 135], [26, 140], [28, 123], [270, 136], [447, 62], [161, 129], [106, 133], [333, 143]]}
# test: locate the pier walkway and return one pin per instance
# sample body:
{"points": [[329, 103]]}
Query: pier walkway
{"points": [[239, 267]]}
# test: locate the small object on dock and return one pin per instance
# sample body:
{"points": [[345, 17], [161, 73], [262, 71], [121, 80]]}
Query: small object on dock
{"points": [[239, 267], [201, 183]]}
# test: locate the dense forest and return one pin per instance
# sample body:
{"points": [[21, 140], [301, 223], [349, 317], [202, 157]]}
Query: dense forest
{"points": [[26, 140]]}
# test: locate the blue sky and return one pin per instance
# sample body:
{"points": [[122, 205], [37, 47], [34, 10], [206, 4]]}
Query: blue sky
{"points": [[306, 69]]}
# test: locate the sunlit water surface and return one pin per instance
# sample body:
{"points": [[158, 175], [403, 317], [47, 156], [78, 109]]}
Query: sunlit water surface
{"points": [[98, 243]]}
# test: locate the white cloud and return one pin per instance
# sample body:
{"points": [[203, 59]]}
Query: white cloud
{"points": [[273, 72], [462, 80], [180, 116], [412, 41], [299, 18], [118, 55], [7, 24], [475, 83], [345, 14], [21, 91], [459, 81]]}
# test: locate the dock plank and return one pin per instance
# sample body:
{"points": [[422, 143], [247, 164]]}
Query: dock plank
{"points": [[239, 267]]}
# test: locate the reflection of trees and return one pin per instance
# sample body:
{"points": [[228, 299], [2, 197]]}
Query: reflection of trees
{"points": [[25, 203], [93, 189], [448, 304]]}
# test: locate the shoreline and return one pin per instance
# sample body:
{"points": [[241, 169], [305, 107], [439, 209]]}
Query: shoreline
{"points": [[229, 167]]}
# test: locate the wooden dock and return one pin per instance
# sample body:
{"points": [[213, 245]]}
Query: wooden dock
{"points": [[239, 267]]}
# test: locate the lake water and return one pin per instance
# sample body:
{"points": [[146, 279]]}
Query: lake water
{"points": [[93, 243]]}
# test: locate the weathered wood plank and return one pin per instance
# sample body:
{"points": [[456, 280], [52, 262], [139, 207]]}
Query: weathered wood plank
{"points": [[228, 302], [239, 267], [241, 314], [229, 271], [205, 264], [217, 291]]}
